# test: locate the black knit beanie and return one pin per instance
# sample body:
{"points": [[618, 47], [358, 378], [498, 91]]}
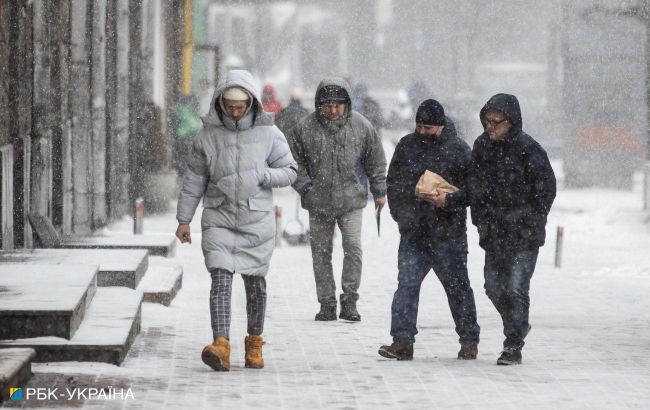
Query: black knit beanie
{"points": [[430, 112]]}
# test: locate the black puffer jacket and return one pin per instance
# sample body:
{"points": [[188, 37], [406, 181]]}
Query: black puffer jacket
{"points": [[512, 185], [448, 156]]}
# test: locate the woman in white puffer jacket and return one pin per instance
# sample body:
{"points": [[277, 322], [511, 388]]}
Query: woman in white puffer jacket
{"points": [[236, 160]]}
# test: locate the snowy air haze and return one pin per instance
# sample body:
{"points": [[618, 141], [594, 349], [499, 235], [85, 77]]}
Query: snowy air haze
{"points": [[97, 143]]}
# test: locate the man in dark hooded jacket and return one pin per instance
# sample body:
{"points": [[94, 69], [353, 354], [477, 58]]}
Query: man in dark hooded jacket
{"points": [[433, 230], [512, 188], [339, 157]]}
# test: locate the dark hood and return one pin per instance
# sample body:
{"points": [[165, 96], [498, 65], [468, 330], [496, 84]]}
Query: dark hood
{"points": [[337, 81], [508, 105], [333, 126]]}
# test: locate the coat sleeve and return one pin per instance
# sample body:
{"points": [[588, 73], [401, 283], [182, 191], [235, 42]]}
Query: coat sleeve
{"points": [[282, 169], [460, 199], [541, 178], [477, 188], [302, 183], [401, 198], [374, 161], [194, 184]]}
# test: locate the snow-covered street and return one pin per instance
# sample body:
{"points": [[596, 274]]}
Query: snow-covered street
{"points": [[589, 346], [106, 104]]}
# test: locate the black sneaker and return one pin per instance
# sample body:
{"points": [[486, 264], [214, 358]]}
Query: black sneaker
{"points": [[349, 312], [397, 350], [326, 313], [468, 351], [509, 357]]}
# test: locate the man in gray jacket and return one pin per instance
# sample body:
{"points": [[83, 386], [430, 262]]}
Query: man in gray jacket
{"points": [[236, 160], [340, 156]]}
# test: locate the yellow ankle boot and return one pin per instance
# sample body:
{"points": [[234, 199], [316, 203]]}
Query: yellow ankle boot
{"points": [[254, 359], [217, 355]]}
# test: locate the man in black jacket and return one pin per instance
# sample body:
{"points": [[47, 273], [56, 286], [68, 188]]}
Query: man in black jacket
{"points": [[433, 230], [512, 188]]}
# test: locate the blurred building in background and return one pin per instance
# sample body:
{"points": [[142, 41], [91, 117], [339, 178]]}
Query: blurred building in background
{"points": [[90, 90]]}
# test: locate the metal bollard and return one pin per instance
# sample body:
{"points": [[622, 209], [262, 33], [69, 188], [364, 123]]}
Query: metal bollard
{"points": [[138, 216], [559, 239], [278, 226]]}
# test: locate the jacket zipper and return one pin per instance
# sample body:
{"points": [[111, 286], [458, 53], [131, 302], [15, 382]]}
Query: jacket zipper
{"points": [[236, 194]]}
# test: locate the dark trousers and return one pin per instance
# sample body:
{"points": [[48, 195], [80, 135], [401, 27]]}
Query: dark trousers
{"points": [[449, 262], [507, 282]]}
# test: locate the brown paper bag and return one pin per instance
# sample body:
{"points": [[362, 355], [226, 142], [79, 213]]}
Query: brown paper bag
{"points": [[430, 181]]}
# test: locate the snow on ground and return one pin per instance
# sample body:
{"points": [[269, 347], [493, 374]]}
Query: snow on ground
{"points": [[589, 346]]}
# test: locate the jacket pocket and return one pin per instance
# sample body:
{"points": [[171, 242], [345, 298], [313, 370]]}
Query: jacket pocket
{"points": [[213, 197], [261, 202], [211, 202]]}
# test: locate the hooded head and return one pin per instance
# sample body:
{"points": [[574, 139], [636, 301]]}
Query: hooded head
{"points": [[296, 94], [333, 92], [268, 93], [243, 81], [235, 102], [506, 104]]}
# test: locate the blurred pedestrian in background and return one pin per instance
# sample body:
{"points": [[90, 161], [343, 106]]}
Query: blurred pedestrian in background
{"points": [[293, 113], [269, 101], [367, 106]]}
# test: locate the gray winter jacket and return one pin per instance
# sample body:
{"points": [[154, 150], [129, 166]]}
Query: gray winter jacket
{"points": [[337, 160], [233, 166]]}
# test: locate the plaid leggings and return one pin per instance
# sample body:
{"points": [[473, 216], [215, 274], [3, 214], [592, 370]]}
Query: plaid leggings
{"points": [[220, 297]]}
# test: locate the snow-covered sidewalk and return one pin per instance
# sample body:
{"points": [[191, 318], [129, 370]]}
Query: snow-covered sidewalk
{"points": [[589, 346]]}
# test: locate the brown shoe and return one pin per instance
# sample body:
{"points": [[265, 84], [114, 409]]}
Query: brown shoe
{"points": [[398, 350], [217, 355], [254, 359], [468, 352]]}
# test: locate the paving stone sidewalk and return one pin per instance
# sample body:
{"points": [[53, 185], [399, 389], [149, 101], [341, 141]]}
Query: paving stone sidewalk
{"points": [[589, 346]]}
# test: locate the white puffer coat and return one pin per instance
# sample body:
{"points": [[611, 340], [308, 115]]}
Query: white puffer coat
{"points": [[233, 166]]}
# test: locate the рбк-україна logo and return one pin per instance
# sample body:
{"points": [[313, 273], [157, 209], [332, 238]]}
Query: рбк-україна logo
{"points": [[15, 393]]}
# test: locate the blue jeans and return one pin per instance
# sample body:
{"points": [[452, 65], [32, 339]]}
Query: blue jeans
{"points": [[507, 282], [449, 262]]}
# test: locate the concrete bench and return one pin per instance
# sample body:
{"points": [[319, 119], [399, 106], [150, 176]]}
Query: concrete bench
{"points": [[106, 334], [44, 300], [15, 369], [116, 267], [48, 237], [162, 282]]}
